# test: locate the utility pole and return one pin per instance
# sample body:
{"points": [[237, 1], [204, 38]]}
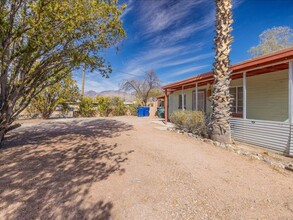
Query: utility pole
{"points": [[82, 82]]}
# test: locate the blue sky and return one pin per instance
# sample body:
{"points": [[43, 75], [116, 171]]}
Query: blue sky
{"points": [[175, 38]]}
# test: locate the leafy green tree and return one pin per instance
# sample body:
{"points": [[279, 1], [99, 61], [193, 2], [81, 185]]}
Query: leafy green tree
{"points": [[110, 105], [144, 89], [273, 39], [221, 130], [41, 41], [66, 90], [104, 105], [118, 106], [133, 108], [86, 107]]}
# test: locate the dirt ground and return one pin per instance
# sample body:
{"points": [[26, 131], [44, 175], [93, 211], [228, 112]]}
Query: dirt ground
{"points": [[129, 168]]}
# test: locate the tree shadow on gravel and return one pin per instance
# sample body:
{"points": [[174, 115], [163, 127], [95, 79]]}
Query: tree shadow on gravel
{"points": [[46, 170]]}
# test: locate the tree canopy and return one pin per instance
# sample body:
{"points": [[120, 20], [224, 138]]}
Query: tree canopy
{"points": [[273, 39], [66, 90], [41, 41]]}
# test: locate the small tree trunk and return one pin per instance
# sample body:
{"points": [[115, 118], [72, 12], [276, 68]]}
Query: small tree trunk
{"points": [[220, 124], [47, 113], [144, 102], [4, 130], [45, 116]]}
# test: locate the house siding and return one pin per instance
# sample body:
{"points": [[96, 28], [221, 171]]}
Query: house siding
{"points": [[267, 97], [174, 100]]}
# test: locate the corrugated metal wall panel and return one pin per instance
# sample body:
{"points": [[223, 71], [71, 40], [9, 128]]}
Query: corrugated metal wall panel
{"points": [[269, 134], [291, 141]]}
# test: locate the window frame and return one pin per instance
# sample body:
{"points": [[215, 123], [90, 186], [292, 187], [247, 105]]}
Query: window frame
{"points": [[180, 101], [194, 99], [237, 98]]}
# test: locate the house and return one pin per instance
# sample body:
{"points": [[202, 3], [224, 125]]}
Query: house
{"points": [[262, 106]]}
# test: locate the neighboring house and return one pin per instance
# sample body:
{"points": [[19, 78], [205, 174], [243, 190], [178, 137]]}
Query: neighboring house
{"points": [[262, 105]]}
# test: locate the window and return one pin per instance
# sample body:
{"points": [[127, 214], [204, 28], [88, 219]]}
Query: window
{"points": [[180, 101], [201, 100], [237, 99]]}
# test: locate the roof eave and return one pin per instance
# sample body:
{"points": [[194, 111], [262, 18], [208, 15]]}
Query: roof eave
{"points": [[282, 55]]}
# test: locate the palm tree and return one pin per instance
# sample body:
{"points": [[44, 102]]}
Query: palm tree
{"points": [[220, 125]]}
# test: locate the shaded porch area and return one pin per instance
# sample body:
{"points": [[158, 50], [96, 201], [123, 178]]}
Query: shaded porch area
{"points": [[261, 90]]}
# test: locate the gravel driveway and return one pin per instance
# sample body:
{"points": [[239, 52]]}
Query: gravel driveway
{"points": [[130, 168]]}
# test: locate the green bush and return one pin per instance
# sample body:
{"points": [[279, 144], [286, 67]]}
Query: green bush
{"points": [[32, 112], [190, 121], [110, 106], [118, 106], [133, 109], [178, 118], [86, 108], [104, 105], [65, 108]]}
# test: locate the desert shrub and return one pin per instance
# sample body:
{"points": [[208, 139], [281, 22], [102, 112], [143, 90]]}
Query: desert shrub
{"points": [[190, 121], [133, 109], [118, 106], [32, 112], [208, 129], [178, 118], [86, 108], [110, 106], [65, 108], [195, 122], [104, 105]]}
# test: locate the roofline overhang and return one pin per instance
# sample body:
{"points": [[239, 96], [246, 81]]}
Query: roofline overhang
{"points": [[271, 59]]}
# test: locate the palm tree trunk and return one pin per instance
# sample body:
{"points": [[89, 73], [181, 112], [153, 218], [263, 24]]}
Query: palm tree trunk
{"points": [[220, 124], [2, 133]]}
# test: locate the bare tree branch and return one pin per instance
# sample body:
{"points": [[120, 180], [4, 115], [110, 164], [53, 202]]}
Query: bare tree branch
{"points": [[143, 89]]}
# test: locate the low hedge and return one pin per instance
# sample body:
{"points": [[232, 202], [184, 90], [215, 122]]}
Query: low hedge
{"points": [[189, 121]]}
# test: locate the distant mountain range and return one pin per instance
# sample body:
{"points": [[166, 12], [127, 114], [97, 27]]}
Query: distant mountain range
{"points": [[111, 93], [91, 93]]}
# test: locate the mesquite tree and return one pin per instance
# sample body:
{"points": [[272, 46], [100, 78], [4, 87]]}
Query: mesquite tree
{"points": [[144, 89], [221, 130], [66, 90], [41, 41], [273, 39]]}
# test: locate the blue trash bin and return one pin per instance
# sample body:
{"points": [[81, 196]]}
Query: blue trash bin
{"points": [[146, 111], [140, 111]]}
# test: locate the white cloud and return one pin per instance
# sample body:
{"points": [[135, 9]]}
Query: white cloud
{"points": [[187, 70], [129, 8], [164, 29], [189, 60], [166, 25], [149, 58], [176, 35], [237, 3], [100, 84], [168, 57], [94, 81], [158, 58], [159, 15]]}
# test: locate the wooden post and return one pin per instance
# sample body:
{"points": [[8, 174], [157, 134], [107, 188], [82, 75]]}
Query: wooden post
{"points": [[290, 95], [182, 98], [166, 106], [244, 95], [82, 81], [196, 97]]}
